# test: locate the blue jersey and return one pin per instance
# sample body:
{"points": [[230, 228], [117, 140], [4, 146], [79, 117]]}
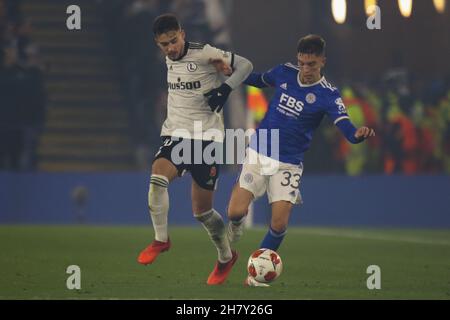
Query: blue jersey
{"points": [[296, 110]]}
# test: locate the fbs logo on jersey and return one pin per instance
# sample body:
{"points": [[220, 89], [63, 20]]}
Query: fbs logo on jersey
{"points": [[290, 106], [191, 66]]}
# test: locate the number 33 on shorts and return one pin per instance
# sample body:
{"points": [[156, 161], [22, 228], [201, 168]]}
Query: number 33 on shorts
{"points": [[282, 185], [285, 185]]}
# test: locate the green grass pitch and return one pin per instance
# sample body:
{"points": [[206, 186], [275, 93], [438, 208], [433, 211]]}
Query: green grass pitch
{"points": [[319, 263]]}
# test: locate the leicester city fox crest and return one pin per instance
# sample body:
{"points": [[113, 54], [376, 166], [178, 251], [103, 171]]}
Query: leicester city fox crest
{"points": [[310, 98]]}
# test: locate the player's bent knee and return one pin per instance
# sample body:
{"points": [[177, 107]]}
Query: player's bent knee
{"points": [[236, 211], [239, 203], [165, 168], [196, 210]]}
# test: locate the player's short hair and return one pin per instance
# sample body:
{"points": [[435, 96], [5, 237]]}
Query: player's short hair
{"points": [[165, 23], [311, 44]]}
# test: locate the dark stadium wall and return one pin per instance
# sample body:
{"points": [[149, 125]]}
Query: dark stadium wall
{"points": [[121, 198], [420, 44]]}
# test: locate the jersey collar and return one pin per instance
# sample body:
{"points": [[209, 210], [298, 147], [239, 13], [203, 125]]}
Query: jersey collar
{"points": [[308, 85], [185, 50]]}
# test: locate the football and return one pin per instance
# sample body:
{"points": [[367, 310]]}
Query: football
{"points": [[264, 265]]}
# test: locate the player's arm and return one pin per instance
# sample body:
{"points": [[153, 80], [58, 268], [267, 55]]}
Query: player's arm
{"points": [[241, 68], [338, 113], [352, 134], [259, 80], [263, 80]]}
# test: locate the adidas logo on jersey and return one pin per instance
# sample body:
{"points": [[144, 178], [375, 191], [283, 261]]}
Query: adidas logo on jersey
{"points": [[210, 182], [283, 86]]}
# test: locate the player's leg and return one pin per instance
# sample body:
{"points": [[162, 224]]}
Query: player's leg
{"points": [[281, 211], [277, 230], [211, 220], [237, 211], [203, 186], [163, 171], [251, 185], [283, 192]]}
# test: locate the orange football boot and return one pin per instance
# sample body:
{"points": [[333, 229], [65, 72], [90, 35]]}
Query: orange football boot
{"points": [[149, 254], [222, 270]]}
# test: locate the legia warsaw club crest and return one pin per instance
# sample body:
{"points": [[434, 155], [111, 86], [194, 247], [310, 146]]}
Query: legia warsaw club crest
{"points": [[191, 66]]}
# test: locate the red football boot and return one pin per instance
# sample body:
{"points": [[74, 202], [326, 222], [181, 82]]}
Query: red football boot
{"points": [[149, 254], [222, 270]]}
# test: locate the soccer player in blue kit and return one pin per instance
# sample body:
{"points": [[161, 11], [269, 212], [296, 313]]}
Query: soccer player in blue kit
{"points": [[302, 98]]}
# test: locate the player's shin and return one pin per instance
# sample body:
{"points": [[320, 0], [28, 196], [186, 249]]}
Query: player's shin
{"points": [[273, 239], [235, 229], [213, 223], [158, 204]]}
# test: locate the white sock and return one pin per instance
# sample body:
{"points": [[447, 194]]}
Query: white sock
{"points": [[213, 223], [158, 204]]}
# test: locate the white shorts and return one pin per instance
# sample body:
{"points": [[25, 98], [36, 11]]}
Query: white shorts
{"points": [[281, 180]]}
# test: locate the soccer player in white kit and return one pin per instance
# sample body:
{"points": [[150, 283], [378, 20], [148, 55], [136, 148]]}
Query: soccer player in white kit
{"points": [[196, 97]]}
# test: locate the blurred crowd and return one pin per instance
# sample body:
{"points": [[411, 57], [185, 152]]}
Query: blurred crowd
{"points": [[22, 93], [412, 122]]}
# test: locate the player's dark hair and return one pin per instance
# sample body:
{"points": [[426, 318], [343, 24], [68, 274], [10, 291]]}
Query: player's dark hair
{"points": [[165, 23], [311, 44]]}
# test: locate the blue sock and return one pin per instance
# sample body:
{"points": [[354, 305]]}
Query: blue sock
{"points": [[273, 239]]}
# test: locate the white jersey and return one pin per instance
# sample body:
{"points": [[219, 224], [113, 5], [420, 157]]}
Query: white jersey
{"points": [[188, 79]]}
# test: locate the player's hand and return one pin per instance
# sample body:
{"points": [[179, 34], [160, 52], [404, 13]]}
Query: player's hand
{"points": [[221, 66], [364, 133], [218, 96]]}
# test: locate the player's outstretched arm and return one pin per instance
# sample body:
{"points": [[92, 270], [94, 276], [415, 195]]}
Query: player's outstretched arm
{"points": [[259, 80], [266, 79], [217, 97], [352, 134], [242, 68], [256, 80]]}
